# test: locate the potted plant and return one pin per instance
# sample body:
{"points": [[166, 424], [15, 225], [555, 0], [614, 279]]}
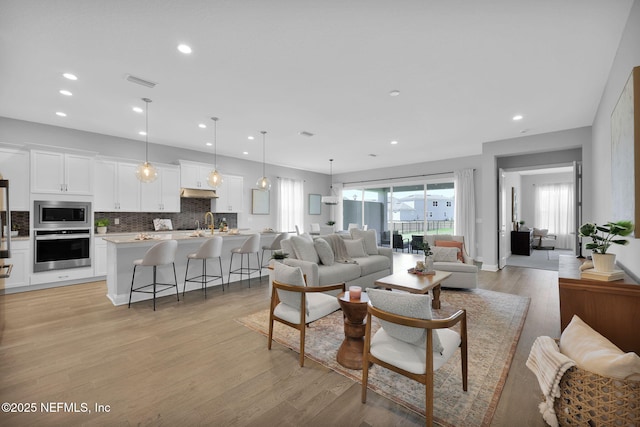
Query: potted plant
{"points": [[331, 222], [602, 237], [15, 230], [428, 259], [101, 225], [278, 256]]}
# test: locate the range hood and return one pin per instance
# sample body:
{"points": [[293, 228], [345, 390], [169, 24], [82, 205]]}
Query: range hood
{"points": [[195, 193]]}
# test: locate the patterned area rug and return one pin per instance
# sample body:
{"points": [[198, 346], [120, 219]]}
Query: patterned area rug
{"points": [[494, 322]]}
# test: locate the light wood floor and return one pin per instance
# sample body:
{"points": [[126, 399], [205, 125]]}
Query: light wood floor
{"points": [[191, 363]]}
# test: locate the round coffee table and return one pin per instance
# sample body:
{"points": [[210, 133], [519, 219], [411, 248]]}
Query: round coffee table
{"points": [[355, 311]]}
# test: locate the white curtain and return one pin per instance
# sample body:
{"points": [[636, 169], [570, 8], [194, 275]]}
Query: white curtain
{"points": [[290, 205], [555, 211], [465, 209]]}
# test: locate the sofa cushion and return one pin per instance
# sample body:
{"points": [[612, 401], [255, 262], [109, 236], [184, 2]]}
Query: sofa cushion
{"points": [[455, 267], [337, 273], [368, 237], [355, 248], [411, 305], [452, 244], [290, 276], [593, 352], [304, 249], [287, 248], [445, 254], [372, 264], [324, 251]]}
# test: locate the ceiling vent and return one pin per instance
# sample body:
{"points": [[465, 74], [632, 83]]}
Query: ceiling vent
{"points": [[138, 80], [305, 133]]}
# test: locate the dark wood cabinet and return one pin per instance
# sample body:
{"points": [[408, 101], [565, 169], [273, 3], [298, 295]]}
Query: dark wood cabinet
{"points": [[521, 242], [611, 308]]}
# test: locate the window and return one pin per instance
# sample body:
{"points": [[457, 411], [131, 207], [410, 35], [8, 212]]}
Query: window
{"points": [[448, 204], [435, 203]]}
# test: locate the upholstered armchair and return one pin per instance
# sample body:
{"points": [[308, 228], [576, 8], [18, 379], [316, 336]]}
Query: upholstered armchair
{"points": [[412, 344], [542, 239]]}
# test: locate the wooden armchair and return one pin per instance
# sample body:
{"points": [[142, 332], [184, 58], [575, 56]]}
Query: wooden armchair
{"points": [[412, 346], [295, 304]]}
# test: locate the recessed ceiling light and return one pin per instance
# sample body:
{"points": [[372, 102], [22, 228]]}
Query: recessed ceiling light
{"points": [[517, 117], [143, 133], [202, 126], [70, 76], [394, 93], [137, 109], [394, 142], [184, 48], [65, 92], [209, 144], [245, 152], [251, 138], [61, 114]]}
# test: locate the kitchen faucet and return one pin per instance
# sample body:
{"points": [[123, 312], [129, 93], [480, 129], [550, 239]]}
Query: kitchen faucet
{"points": [[197, 225], [206, 216]]}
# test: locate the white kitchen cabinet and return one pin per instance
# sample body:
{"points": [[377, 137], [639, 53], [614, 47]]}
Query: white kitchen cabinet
{"points": [[61, 173], [14, 165], [194, 175], [117, 188], [20, 261], [99, 256], [230, 194], [162, 195]]}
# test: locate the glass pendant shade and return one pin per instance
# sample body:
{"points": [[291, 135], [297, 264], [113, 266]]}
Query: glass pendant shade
{"points": [[215, 177], [331, 199], [263, 183], [146, 172]]}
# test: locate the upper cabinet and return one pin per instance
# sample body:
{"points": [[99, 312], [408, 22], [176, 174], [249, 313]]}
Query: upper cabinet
{"points": [[163, 194], [117, 188], [194, 175], [230, 194], [14, 165], [61, 173]]}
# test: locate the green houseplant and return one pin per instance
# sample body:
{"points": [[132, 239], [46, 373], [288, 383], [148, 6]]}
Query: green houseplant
{"points": [[101, 225], [602, 237]]}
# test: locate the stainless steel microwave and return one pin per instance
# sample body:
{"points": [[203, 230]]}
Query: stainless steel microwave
{"points": [[61, 214]]}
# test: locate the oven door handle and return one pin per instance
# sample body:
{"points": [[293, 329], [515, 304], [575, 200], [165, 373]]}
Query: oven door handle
{"points": [[63, 236]]}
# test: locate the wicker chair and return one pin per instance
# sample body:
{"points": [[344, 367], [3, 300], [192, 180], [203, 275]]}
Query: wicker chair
{"points": [[589, 399]]}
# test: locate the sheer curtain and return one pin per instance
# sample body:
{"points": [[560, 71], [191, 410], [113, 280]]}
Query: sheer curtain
{"points": [[555, 210], [290, 204], [465, 209]]}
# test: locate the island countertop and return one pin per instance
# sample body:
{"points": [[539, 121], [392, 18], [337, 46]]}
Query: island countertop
{"points": [[121, 238]]}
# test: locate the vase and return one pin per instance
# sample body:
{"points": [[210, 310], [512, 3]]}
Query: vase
{"points": [[101, 230], [604, 263], [428, 264]]}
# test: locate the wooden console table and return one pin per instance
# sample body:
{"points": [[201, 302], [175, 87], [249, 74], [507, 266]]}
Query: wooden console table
{"points": [[611, 308]]}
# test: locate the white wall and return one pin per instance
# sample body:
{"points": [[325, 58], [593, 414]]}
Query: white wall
{"points": [[29, 134], [628, 56]]}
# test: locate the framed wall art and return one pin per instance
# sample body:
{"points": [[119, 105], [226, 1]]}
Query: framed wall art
{"points": [[315, 204]]}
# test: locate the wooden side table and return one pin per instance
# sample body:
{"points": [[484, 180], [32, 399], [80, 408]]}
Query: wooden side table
{"points": [[355, 311]]}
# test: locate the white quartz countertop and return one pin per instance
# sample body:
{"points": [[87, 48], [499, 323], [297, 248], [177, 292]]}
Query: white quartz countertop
{"points": [[173, 235]]}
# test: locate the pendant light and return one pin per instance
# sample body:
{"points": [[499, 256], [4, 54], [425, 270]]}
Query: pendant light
{"points": [[331, 199], [263, 182], [146, 172], [215, 177]]}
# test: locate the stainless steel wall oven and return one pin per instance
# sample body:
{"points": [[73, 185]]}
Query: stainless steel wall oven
{"points": [[62, 233]]}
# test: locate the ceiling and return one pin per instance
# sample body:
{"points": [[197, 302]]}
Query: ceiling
{"points": [[463, 70]]}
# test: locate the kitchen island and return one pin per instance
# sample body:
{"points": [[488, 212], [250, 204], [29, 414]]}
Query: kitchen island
{"points": [[123, 249]]}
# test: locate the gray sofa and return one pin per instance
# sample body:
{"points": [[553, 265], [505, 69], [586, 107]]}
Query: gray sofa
{"points": [[372, 263]]}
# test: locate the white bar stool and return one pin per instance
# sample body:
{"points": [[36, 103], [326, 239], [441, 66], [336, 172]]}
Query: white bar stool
{"points": [[162, 253], [274, 246], [250, 246], [211, 248]]}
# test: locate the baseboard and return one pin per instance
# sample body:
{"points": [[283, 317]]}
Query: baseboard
{"points": [[490, 267]]}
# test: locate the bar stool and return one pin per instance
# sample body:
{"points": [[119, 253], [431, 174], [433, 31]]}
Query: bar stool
{"points": [[274, 246], [211, 248], [162, 253], [250, 246]]}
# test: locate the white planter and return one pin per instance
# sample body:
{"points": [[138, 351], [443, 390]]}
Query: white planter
{"points": [[101, 230], [604, 263]]}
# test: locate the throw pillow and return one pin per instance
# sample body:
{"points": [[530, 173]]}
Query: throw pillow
{"points": [[368, 237], [452, 244], [324, 251], [290, 276], [540, 232], [355, 248], [411, 305], [304, 249], [593, 352], [445, 254]]}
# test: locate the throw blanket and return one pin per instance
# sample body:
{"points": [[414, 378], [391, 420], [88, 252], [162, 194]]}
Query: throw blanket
{"points": [[549, 365], [339, 249]]}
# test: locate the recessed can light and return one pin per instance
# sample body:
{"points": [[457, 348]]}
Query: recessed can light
{"points": [[208, 144], [61, 114], [394, 93], [184, 48], [251, 138], [143, 133], [65, 92], [517, 117], [245, 153], [70, 76], [137, 109], [202, 126], [394, 142]]}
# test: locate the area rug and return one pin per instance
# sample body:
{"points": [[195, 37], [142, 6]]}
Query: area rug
{"points": [[541, 259], [494, 323]]}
